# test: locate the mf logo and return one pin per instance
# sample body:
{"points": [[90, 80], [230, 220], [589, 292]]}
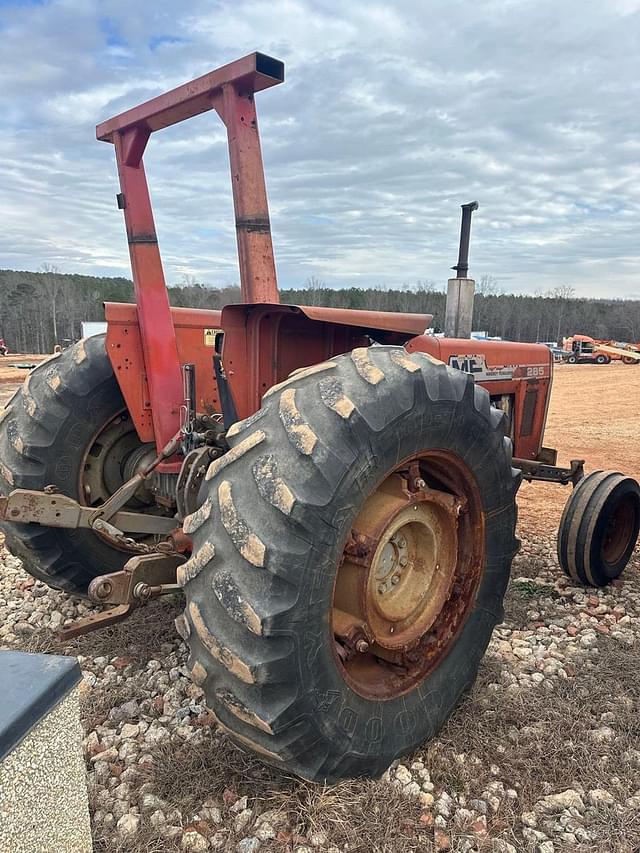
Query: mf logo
{"points": [[468, 363]]}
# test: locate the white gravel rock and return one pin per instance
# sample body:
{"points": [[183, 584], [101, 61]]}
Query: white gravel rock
{"points": [[248, 845], [157, 819], [563, 800], [403, 775], [194, 842], [242, 820], [556, 636], [128, 825], [239, 805], [599, 796], [129, 730], [604, 734], [265, 832]]}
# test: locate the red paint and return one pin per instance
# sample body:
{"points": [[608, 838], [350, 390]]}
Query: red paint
{"points": [[229, 90], [253, 228], [157, 335], [530, 367]]}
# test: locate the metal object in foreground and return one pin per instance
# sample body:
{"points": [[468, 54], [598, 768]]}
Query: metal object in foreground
{"points": [[144, 577], [56, 510], [534, 470]]}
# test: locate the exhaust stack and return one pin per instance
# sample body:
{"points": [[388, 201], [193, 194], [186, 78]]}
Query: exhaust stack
{"points": [[460, 290]]}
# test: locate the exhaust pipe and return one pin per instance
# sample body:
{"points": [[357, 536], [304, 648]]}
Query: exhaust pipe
{"points": [[461, 289]]}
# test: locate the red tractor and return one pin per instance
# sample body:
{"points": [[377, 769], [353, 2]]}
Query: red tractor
{"points": [[334, 492]]}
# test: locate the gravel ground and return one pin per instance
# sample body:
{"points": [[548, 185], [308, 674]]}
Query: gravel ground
{"points": [[543, 756]]}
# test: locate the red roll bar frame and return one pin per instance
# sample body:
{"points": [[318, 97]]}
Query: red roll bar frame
{"points": [[229, 91]]}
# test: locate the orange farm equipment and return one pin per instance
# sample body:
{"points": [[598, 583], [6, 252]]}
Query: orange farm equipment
{"points": [[333, 491], [581, 349]]}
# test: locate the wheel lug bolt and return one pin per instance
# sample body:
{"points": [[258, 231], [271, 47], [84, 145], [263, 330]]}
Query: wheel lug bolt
{"points": [[381, 588], [395, 579], [362, 646], [403, 561]]}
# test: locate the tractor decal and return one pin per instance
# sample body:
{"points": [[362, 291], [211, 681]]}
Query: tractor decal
{"points": [[476, 365]]}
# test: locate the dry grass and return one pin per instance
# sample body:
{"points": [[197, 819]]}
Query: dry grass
{"points": [[367, 815], [42, 641], [523, 597], [96, 703], [138, 637], [547, 745], [145, 841], [186, 774]]}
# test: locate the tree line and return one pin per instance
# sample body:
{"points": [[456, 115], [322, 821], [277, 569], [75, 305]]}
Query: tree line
{"points": [[40, 309]]}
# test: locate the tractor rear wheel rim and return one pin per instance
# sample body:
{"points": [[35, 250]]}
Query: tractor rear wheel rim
{"points": [[408, 575]]}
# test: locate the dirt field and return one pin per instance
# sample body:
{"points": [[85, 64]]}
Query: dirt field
{"points": [[594, 415], [12, 377]]}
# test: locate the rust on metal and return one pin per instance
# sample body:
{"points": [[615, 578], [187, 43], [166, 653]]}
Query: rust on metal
{"points": [[144, 577], [24, 506], [408, 574], [537, 470], [96, 621], [153, 570]]}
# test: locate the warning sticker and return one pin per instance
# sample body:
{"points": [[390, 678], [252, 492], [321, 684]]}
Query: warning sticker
{"points": [[210, 337]]}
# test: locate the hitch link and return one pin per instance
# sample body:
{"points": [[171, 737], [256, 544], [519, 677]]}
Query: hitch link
{"points": [[143, 577]]}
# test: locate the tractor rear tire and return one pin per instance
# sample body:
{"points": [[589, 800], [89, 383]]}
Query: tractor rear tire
{"points": [[46, 430], [599, 528], [274, 534]]}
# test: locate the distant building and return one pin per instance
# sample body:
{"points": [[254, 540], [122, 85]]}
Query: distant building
{"points": [[91, 327]]}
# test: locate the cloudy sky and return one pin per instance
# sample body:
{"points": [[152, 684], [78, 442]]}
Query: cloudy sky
{"points": [[392, 115]]}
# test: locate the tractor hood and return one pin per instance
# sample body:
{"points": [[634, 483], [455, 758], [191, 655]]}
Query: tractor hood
{"points": [[390, 321]]}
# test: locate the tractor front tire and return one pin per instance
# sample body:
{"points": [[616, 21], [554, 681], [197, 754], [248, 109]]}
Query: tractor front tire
{"points": [[599, 528], [376, 453], [46, 431]]}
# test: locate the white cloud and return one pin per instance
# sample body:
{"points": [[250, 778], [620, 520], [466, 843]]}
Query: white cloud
{"points": [[392, 115]]}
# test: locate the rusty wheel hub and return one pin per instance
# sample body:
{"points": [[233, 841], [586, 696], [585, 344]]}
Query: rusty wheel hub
{"points": [[408, 574]]}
